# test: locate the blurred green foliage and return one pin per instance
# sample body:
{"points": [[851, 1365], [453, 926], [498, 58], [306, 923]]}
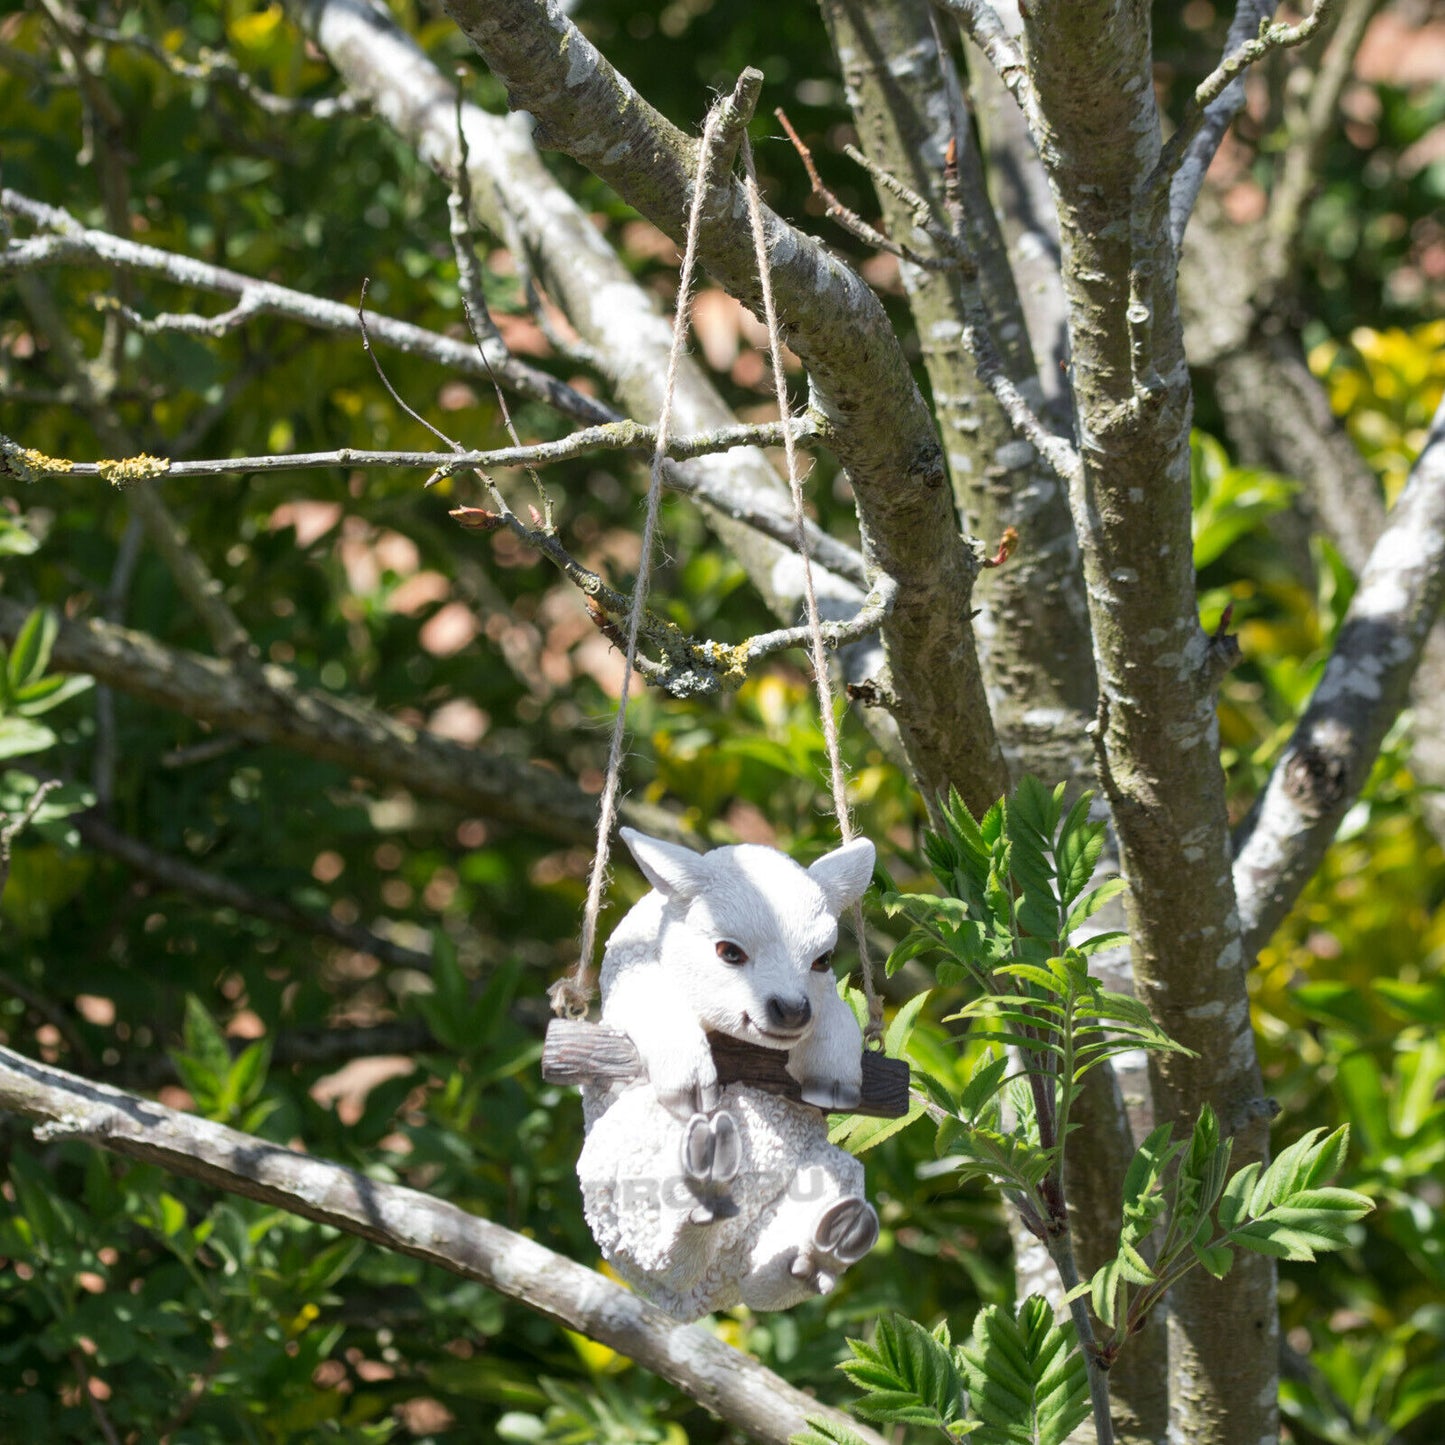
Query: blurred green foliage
{"points": [[208, 1319]]}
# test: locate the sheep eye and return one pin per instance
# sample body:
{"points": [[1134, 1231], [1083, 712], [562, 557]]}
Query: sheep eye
{"points": [[731, 953], [823, 962]]}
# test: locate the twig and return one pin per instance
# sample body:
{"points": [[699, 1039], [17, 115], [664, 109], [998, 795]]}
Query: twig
{"points": [[730, 1383], [26, 464], [13, 827], [1218, 115], [853, 223], [64, 241]]}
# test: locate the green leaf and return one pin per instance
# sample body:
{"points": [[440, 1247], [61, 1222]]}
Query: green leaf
{"points": [[1091, 903], [19, 736], [857, 1133], [49, 692], [895, 1038], [908, 1375], [1076, 854], [984, 1084], [31, 653], [825, 1432], [1026, 1376]]}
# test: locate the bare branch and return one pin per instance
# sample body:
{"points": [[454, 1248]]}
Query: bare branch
{"points": [[332, 729], [955, 255], [1365, 683], [64, 241], [981, 23], [725, 1380], [1218, 115]]}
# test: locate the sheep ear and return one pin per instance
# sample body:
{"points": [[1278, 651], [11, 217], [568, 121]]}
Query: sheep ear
{"points": [[675, 872], [844, 874]]}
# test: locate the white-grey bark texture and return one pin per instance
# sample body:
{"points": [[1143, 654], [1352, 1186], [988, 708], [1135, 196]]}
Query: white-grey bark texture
{"points": [[730, 1383], [1087, 661]]}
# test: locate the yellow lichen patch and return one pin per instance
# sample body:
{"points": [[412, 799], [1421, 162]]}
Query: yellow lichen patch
{"points": [[122, 471], [40, 463]]}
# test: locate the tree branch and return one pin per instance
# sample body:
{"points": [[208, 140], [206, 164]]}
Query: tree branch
{"points": [[1214, 123], [1365, 682], [1216, 87], [64, 241], [724, 1380], [332, 729]]}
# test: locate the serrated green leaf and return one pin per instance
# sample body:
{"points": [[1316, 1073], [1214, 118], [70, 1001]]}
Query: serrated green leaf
{"points": [[1097, 942], [1091, 902], [984, 1083], [908, 1374], [1077, 853], [821, 1431], [858, 1133], [895, 1038], [1025, 1375]]}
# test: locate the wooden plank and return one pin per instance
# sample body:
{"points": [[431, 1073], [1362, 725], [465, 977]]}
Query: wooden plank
{"points": [[577, 1053]]}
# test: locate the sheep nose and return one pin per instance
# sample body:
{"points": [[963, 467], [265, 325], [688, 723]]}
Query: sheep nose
{"points": [[785, 1015]]}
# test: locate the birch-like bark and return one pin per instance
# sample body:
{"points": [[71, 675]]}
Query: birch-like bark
{"points": [[1363, 688], [331, 729], [1091, 65], [727, 1382], [881, 430]]}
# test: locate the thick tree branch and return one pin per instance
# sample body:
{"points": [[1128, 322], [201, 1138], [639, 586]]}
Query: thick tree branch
{"points": [[1158, 732], [332, 729], [1365, 683], [724, 1380]]}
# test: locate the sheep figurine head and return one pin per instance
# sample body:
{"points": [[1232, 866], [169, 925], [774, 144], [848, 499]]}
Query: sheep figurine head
{"points": [[705, 1196]]}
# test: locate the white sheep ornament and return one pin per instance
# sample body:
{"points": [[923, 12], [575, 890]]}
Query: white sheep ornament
{"points": [[708, 1190]]}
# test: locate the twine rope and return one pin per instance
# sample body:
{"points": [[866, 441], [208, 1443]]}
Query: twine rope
{"points": [[571, 994], [822, 678]]}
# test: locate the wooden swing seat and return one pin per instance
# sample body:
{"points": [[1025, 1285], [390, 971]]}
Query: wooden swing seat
{"points": [[577, 1053]]}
